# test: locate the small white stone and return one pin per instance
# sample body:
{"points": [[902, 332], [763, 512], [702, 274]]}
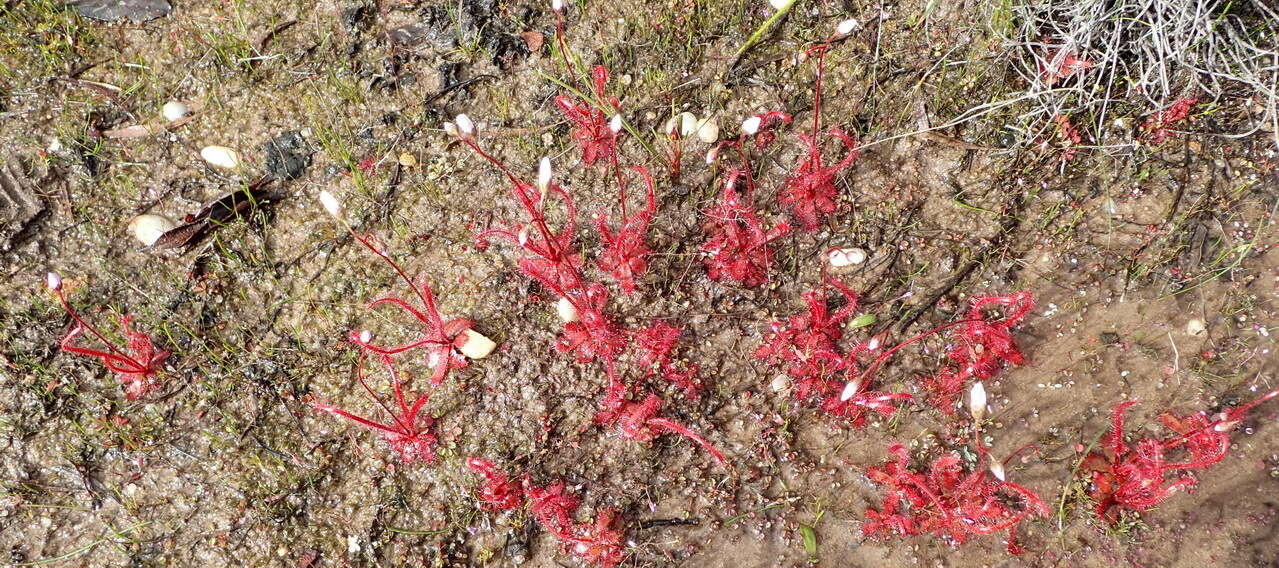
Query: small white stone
{"points": [[477, 346], [751, 125], [149, 228], [465, 125], [1196, 327], [846, 27], [850, 389], [615, 123], [842, 257], [708, 131], [221, 157], [565, 310], [331, 203], [174, 110], [780, 383]]}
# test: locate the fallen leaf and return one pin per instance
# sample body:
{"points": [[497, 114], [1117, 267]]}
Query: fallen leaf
{"points": [[533, 40]]}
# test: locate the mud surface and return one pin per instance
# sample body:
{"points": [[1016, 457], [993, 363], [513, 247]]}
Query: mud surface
{"points": [[228, 464]]}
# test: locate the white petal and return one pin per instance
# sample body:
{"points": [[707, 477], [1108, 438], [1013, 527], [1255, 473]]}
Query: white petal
{"points": [[544, 175], [615, 123], [780, 4], [850, 389], [977, 401], [53, 281], [477, 346], [565, 310], [330, 203], [450, 129], [150, 227], [712, 155], [846, 27], [842, 257], [557, 5], [465, 125], [997, 469], [751, 125]]}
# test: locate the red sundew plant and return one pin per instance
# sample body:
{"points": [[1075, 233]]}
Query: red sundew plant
{"points": [[626, 253], [594, 335], [598, 543], [656, 343], [639, 421], [409, 430], [809, 191], [136, 365], [980, 347], [1157, 127], [595, 136], [739, 247], [499, 493], [947, 501], [1140, 476], [1062, 64]]}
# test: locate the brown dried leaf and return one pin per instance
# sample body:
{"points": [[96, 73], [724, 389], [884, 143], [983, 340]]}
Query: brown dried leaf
{"points": [[534, 40]]}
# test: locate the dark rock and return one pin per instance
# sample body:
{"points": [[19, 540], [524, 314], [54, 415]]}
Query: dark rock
{"points": [[136, 11], [287, 155]]}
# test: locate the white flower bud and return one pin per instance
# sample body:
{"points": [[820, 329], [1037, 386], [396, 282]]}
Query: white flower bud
{"points": [[780, 4], [566, 311], [850, 389], [557, 5], [464, 125], [846, 27], [997, 469], [477, 346], [977, 401], [842, 257], [615, 123], [331, 203], [450, 129], [544, 175], [751, 125], [712, 155], [53, 281]]}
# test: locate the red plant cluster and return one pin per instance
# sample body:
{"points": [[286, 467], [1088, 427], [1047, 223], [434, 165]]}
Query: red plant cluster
{"points": [[626, 253], [1157, 127], [598, 543], [409, 430], [1069, 135], [947, 501], [806, 347], [136, 365], [591, 334], [591, 127], [738, 249], [979, 348], [1140, 476]]}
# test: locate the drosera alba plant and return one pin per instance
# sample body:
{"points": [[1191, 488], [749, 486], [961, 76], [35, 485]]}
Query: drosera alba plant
{"points": [[806, 347], [639, 421], [596, 543], [952, 500], [447, 343], [594, 131], [739, 246], [626, 252], [980, 346], [1140, 476], [499, 492], [656, 346], [947, 500], [409, 430], [809, 190], [137, 363], [1158, 126]]}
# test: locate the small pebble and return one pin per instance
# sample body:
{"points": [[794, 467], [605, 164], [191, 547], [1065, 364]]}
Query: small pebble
{"points": [[780, 382], [708, 131], [408, 160], [1196, 327], [148, 228], [477, 346], [174, 110], [221, 157]]}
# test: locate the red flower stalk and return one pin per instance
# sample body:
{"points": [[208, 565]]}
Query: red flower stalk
{"points": [[136, 365], [809, 191], [441, 339], [738, 249], [639, 421], [1156, 127], [597, 543], [1137, 477], [655, 344], [499, 493], [594, 135], [980, 347], [625, 254], [409, 431], [947, 501]]}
